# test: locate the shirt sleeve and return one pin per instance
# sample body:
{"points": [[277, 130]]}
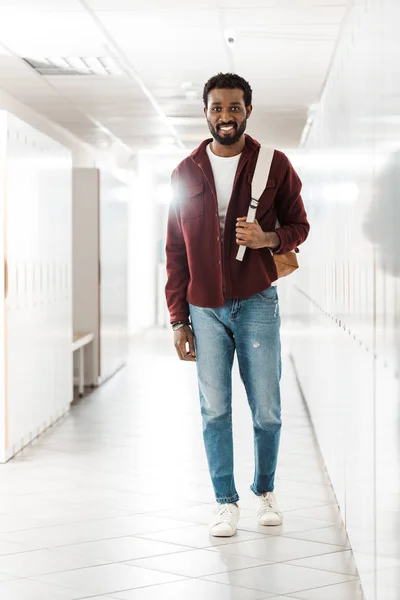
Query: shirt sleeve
{"points": [[177, 263], [293, 224]]}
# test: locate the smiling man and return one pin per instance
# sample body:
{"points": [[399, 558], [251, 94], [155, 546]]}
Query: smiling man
{"points": [[219, 305]]}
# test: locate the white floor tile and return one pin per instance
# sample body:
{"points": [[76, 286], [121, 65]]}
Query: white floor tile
{"points": [[11, 548], [194, 589], [6, 577], [199, 514], [279, 579], [291, 524], [107, 579], [101, 598], [42, 562], [339, 562], [197, 563], [335, 535], [122, 549], [323, 513], [278, 549], [345, 591], [25, 589], [62, 535], [282, 598], [198, 537]]}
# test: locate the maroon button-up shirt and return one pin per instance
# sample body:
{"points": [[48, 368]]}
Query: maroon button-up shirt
{"points": [[203, 271]]}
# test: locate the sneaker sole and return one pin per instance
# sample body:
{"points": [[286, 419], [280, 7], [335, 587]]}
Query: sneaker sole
{"points": [[222, 534]]}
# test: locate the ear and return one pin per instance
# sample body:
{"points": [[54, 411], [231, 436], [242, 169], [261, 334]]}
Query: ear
{"points": [[205, 110], [249, 110]]}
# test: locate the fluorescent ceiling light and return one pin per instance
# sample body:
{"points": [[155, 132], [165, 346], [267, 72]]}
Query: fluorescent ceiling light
{"points": [[71, 65]]}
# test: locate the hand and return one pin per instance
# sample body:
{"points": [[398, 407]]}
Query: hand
{"points": [[184, 338], [252, 236]]}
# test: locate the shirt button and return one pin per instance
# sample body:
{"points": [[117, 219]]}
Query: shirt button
{"points": [[219, 262], [218, 239]]}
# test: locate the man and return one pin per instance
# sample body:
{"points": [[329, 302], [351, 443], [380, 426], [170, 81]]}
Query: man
{"points": [[219, 305]]}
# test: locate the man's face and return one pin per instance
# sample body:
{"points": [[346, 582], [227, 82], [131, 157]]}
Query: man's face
{"points": [[227, 115]]}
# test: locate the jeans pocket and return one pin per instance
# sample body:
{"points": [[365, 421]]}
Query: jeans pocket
{"points": [[270, 295]]}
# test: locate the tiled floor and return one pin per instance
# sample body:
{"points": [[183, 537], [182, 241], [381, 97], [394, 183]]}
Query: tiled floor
{"points": [[113, 502]]}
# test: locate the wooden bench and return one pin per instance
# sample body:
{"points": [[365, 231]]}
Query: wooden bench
{"points": [[79, 341]]}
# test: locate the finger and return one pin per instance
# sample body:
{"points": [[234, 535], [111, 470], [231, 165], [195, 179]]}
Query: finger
{"points": [[241, 219], [245, 225], [192, 349], [184, 353]]}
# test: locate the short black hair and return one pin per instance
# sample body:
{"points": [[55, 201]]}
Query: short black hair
{"points": [[228, 81]]}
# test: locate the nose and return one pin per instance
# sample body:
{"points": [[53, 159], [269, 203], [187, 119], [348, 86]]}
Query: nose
{"points": [[225, 116]]}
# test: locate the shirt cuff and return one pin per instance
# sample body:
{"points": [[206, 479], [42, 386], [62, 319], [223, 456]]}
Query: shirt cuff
{"points": [[282, 241], [183, 316]]}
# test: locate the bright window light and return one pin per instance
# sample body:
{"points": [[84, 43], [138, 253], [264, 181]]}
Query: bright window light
{"points": [[164, 194], [341, 192]]}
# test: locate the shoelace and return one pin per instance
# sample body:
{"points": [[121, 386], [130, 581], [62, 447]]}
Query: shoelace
{"points": [[267, 503], [224, 513]]}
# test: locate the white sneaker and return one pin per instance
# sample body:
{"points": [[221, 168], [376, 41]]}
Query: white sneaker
{"points": [[269, 514], [225, 520]]}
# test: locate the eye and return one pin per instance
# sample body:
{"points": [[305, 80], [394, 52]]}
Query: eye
{"points": [[216, 109]]}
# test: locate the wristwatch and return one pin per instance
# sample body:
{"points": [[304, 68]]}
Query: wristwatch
{"points": [[179, 324]]}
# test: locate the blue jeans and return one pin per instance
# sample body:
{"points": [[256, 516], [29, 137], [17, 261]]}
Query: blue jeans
{"points": [[251, 327]]}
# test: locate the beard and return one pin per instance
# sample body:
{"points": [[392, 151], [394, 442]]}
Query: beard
{"points": [[227, 139]]}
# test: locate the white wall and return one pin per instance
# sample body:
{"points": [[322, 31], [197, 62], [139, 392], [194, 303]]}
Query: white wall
{"points": [[147, 228], [343, 305], [114, 201]]}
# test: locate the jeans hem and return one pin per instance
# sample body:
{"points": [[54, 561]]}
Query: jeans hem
{"points": [[257, 492], [228, 499]]}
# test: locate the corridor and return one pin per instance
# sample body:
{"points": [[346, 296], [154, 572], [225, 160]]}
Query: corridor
{"points": [[113, 501]]}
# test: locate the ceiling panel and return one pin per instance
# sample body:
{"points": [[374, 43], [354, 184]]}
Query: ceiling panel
{"points": [[264, 18], [164, 30], [52, 33], [137, 5], [251, 4], [41, 5], [97, 89]]}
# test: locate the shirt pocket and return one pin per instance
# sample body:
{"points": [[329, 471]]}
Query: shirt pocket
{"points": [[192, 205]]}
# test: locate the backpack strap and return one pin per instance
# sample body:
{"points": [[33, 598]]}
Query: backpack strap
{"points": [[258, 185]]}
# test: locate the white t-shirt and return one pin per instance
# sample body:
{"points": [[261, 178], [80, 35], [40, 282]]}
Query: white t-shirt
{"points": [[224, 170]]}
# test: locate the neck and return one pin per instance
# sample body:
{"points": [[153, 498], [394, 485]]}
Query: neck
{"points": [[227, 151]]}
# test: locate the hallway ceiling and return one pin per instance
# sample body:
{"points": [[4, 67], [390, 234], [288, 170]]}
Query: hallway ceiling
{"points": [[160, 59]]}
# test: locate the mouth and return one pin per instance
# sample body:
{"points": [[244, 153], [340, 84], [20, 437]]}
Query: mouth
{"points": [[227, 128]]}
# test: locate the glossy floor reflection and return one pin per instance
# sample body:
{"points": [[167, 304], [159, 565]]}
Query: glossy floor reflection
{"points": [[113, 502]]}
